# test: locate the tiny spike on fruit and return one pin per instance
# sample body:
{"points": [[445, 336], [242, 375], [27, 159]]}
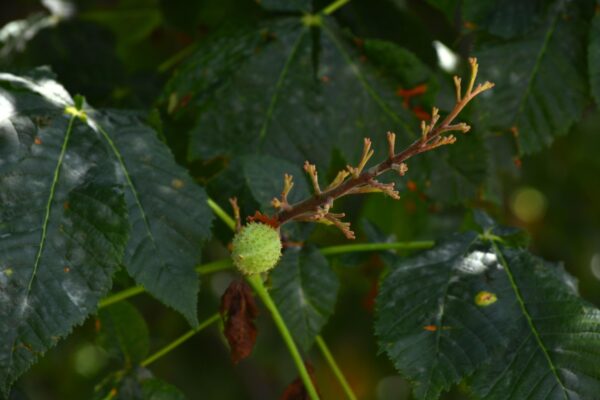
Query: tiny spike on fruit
{"points": [[256, 248]]}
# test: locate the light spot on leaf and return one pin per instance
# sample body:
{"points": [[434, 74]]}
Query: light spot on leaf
{"points": [[476, 262], [484, 299], [172, 103], [177, 183]]}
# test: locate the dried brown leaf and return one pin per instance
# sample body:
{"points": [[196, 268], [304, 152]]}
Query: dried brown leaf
{"points": [[239, 311], [296, 389]]}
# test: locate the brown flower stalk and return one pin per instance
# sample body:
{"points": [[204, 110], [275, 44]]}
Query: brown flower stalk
{"points": [[354, 180]]}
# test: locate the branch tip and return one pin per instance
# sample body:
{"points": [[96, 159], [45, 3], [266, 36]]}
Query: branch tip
{"points": [[311, 170], [391, 138], [457, 81]]}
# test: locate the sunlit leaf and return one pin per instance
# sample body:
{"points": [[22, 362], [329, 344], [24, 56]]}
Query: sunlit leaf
{"points": [[469, 306], [63, 221], [74, 183]]}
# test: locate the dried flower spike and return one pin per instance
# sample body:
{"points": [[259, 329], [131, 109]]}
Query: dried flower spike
{"points": [[355, 180]]}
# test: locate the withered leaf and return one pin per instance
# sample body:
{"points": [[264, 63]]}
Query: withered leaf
{"points": [[239, 310]]}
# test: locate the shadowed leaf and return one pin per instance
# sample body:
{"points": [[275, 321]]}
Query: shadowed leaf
{"points": [[545, 90], [167, 211], [304, 288], [123, 333]]}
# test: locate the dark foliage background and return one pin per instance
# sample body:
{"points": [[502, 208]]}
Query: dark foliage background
{"points": [[121, 53]]}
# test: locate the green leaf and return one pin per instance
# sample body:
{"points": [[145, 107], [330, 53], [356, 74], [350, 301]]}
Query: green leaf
{"points": [[130, 20], [123, 333], [304, 288], [155, 389], [264, 176], [167, 212], [459, 171], [504, 18], [286, 91], [544, 91], [398, 63], [72, 178], [594, 58], [554, 335], [473, 307], [63, 220]]}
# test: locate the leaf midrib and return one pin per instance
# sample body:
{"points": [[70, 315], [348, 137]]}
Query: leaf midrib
{"points": [[129, 181], [53, 185], [538, 62], [279, 85], [46, 221], [528, 317]]}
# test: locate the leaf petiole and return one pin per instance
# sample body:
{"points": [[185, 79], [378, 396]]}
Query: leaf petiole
{"points": [[174, 344], [333, 7]]}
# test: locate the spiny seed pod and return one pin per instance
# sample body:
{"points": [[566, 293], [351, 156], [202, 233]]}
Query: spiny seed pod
{"points": [[256, 248]]}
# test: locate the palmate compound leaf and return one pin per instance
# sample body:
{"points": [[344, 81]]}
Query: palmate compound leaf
{"points": [[67, 197], [63, 221], [541, 78], [470, 307], [304, 288], [295, 92], [285, 90]]}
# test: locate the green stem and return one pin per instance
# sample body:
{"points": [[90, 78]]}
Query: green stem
{"points": [[225, 263], [330, 9], [174, 344], [221, 213], [359, 247], [214, 266], [120, 296], [258, 286], [203, 269], [335, 368]]}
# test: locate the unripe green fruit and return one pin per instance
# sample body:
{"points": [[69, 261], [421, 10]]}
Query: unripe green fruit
{"points": [[256, 248]]}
